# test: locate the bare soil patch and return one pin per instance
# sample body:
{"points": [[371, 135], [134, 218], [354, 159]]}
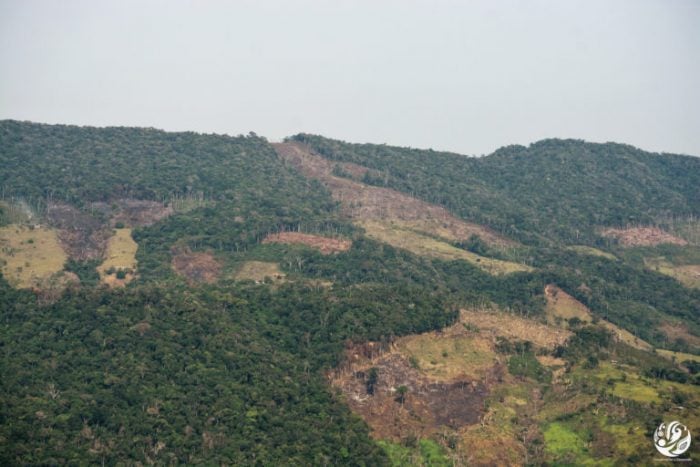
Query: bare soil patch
{"points": [[133, 212], [82, 235], [427, 406], [356, 172], [642, 236], [325, 245], [197, 267], [50, 289], [675, 331], [363, 202]]}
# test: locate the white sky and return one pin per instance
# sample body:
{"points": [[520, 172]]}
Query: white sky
{"points": [[466, 76]]}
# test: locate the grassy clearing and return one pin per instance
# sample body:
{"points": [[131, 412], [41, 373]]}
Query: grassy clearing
{"points": [[397, 236], [260, 271], [562, 307], [448, 357], [688, 275], [678, 356], [489, 445], [514, 327], [29, 255], [629, 437], [119, 266], [565, 446], [556, 407], [636, 391], [627, 337], [625, 384], [589, 250], [428, 452], [326, 245]]}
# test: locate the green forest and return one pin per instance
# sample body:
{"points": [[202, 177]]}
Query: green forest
{"points": [[556, 190], [234, 371]]}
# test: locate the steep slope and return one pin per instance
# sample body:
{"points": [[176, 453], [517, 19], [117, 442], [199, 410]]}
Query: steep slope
{"points": [[555, 189], [398, 219], [251, 272]]}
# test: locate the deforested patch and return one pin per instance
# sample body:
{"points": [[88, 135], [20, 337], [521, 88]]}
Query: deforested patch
{"points": [[397, 400], [127, 212], [325, 245], [196, 267], [362, 202], [82, 234], [30, 255], [515, 327], [260, 272], [119, 266], [642, 236]]}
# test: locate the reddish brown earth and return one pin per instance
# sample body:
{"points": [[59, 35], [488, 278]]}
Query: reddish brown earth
{"points": [[642, 236], [82, 236], [675, 331], [363, 202], [51, 289], [133, 212], [197, 267], [355, 171], [325, 245], [428, 405]]}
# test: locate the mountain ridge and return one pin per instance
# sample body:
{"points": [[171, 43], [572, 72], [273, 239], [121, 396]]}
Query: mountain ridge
{"points": [[229, 300]]}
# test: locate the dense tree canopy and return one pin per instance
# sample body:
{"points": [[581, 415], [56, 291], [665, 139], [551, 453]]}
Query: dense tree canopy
{"points": [[233, 372], [556, 189]]}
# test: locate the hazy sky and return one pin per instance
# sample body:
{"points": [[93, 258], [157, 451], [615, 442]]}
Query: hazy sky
{"points": [[467, 76]]}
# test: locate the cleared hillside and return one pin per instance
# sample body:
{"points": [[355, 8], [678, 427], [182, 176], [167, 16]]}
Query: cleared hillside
{"points": [[555, 189], [249, 275]]}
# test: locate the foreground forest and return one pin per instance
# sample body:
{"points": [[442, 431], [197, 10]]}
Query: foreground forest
{"points": [[188, 298]]}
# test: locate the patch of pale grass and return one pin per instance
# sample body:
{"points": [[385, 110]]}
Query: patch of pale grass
{"points": [[589, 250], [120, 255], [515, 327], [259, 271], [29, 256], [397, 236], [688, 275], [446, 358], [678, 356]]}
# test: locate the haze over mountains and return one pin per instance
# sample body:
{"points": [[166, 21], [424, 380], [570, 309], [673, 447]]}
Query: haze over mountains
{"points": [[191, 298]]}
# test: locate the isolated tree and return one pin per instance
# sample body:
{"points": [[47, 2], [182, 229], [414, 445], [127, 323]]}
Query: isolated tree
{"points": [[401, 392], [372, 377]]}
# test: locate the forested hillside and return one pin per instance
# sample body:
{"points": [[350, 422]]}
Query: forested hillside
{"points": [[553, 189], [82, 164], [207, 299]]}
